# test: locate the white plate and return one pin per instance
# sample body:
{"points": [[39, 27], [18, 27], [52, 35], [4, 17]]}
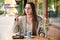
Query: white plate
{"points": [[28, 37]]}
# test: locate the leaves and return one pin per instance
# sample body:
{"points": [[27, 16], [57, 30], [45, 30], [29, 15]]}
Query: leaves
{"points": [[20, 8], [1, 3]]}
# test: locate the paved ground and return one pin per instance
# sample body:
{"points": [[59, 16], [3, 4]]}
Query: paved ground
{"points": [[6, 27], [55, 21]]}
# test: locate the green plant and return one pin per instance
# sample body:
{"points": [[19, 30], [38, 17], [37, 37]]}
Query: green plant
{"points": [[20, 8], [1, 12], [1, 3]]}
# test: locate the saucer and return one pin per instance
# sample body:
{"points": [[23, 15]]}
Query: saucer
{"points": [[29, 37]]}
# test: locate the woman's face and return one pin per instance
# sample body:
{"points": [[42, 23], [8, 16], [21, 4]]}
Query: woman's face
{"points": [[28, 9]]}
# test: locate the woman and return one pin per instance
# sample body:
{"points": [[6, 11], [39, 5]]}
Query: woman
{"points": [[29, 21]]}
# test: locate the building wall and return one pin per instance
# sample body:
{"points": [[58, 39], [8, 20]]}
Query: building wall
{"points": [[9, 2], [12, 4]]}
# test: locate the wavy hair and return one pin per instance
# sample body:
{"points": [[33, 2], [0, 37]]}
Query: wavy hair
{"points": [[34, 18]]}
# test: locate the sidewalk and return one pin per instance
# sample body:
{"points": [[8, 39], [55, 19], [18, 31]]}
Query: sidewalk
{"points": [[6, 27], [55, 21], [54, 27]]}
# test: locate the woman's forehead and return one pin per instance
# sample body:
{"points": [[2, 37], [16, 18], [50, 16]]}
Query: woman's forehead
{"points": [[28, 5]]}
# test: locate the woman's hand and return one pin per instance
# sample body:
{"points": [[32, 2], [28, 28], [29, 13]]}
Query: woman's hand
{"points": [[42, 34], [16, 17]]}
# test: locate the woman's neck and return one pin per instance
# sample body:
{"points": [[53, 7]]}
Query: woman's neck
{"points": [[29, 16], [29, 19]]}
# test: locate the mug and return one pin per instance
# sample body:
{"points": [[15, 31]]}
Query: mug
{"points": [[28, 34]]}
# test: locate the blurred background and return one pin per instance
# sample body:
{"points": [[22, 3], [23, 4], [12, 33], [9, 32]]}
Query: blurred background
{"points": [[48, 8]]}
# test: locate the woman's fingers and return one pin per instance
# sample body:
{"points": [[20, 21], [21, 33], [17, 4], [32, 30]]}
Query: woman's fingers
{"points": [[16, 16], [42, 35]]}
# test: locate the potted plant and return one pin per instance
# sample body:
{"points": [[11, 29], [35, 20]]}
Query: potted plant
{"points": [[1, 12], [20, 8], [52, 14], [1, 4]]}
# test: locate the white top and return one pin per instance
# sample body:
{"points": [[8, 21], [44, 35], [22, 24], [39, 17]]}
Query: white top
{"points": [[29, 28], [25, 26]]}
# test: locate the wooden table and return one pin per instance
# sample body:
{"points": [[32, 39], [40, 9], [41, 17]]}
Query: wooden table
{"points": [[37, 38]]}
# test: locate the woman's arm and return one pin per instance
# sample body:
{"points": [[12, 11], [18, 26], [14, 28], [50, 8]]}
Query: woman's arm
{"points": [[16, 26], [40, 26]]}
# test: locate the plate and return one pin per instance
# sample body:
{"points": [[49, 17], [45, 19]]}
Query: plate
{"points": [[29, 37]]}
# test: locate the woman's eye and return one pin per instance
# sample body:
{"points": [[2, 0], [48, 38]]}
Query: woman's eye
{"points": [[27, 8]]}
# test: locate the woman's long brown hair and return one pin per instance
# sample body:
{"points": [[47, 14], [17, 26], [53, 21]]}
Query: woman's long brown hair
{"points": [[34, 18]]}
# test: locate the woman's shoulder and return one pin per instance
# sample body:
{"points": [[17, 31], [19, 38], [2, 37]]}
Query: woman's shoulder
{"points": [[39, 18], [21, 17]]}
